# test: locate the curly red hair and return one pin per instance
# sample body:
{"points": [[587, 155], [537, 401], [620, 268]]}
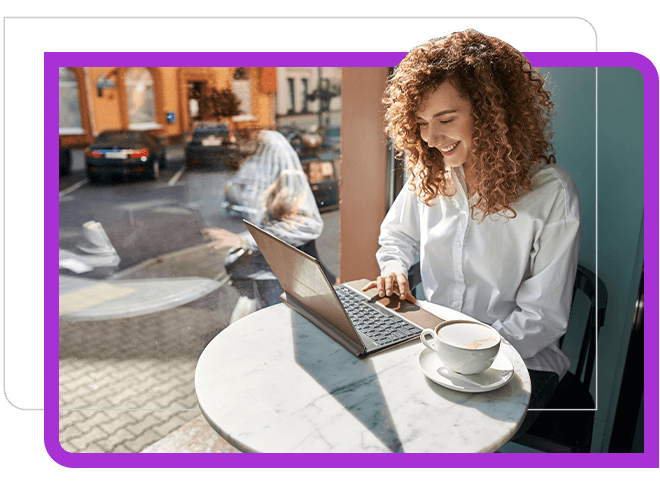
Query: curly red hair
{"points": [[511, 112]]}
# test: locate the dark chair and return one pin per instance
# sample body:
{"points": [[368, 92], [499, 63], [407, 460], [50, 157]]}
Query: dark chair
{"points": [[571, 430], [414, 278]]}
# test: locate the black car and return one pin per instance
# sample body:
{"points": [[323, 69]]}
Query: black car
{"points": [[293, 135], [65, 160], [210, 145], [125, 153]]}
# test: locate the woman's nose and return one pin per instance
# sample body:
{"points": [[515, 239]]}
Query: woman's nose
{"points": [[434, 136]]}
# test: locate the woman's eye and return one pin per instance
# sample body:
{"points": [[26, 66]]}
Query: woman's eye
{"points": [[444, 122]]}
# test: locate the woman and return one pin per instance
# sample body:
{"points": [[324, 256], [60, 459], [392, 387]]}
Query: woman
{"points": [[495, 220]]}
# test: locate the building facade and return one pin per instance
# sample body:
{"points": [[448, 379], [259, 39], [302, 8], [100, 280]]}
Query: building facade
{"points": [[158, 99], [296, 102]]}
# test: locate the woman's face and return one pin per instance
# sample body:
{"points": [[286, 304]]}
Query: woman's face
{"points": [[445, 123]]}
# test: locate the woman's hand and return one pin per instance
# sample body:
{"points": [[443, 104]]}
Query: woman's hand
{"points": [[392, 283]]}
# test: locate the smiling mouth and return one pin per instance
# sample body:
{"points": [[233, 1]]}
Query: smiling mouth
{"points": [[450, 148]]}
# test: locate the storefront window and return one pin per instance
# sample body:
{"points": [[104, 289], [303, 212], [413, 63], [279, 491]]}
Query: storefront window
{"points": [[242, 87], [140, 98], [290, 96], [304, 93], [70, 122]]}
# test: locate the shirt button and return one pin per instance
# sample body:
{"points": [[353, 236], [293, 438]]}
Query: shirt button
{"points": [[458, 244], [456, 304]]}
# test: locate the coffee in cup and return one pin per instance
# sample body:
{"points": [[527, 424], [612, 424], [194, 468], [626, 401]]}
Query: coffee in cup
{"points": [[466, 347]]}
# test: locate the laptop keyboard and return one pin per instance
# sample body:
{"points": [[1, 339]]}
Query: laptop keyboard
{"points": [[368, 320]]}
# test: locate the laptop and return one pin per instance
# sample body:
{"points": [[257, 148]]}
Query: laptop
{"points": [[362, 322]]}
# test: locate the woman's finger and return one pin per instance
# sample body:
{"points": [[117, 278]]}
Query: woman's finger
{"points": [[404, 289], [402, 285], [397, 282], [389, 284]]}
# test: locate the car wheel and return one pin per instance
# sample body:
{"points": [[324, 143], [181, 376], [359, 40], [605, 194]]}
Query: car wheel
{"points": [[65, 162], [94, 178]]}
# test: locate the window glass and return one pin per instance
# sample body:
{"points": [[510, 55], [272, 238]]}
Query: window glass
{"points": [[304, 94], [195, 91], [242, 87], [142, 288], [69, 103], [140, 98], [290, 96]]}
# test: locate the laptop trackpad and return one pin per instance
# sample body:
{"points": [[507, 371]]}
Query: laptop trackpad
{"points": [[407, 310]]}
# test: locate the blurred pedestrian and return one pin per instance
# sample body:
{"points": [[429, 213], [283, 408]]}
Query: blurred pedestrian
{"points": [[270, 190]]}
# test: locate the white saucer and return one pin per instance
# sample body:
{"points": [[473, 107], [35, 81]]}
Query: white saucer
{"points": [[499, 373]]}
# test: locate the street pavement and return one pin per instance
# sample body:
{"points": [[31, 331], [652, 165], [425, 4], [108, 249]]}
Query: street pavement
{"points": [[128, 354]]}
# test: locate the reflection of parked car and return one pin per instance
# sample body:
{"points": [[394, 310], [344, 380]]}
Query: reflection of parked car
{"points": [[322, 173], [210, 145], [293, 135], [332, 138], [125, 152], [65, 160]]}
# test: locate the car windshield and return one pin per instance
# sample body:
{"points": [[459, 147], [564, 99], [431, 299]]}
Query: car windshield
{"points": [[206, 131]]}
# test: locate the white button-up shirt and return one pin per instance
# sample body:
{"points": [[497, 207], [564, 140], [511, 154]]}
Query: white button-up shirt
{"points": [[514, 274]]}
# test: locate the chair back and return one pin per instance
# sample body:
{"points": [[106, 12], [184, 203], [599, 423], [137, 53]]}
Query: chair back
{"points": [[571, 431], [585, 282]]}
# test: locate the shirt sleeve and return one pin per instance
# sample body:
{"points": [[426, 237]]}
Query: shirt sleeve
{"points": [[286, 208], [544, 298], [399, 234]]}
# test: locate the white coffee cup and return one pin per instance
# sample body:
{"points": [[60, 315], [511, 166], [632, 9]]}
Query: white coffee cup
{"points": [[466, 347]]}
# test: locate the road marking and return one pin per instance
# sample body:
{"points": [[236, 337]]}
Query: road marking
{"points": [[92, 296], [74, 187], [176, 176]]}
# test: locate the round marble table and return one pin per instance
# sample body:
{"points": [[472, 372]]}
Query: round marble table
{"points": [[273, 382]]}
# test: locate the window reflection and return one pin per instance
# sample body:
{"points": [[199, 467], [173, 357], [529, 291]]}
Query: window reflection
{"points": [[69, 103], [242, 87], [140, 97], [141, 291]]}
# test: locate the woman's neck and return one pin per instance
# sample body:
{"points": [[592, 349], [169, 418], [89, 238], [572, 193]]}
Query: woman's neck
{"points": [[470, 180]]}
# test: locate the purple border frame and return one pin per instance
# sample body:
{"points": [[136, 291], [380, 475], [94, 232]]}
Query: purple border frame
{"points": [[53, 60]]}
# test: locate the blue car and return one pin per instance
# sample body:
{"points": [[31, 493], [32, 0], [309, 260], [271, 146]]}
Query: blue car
{"points": [[125, 153]]}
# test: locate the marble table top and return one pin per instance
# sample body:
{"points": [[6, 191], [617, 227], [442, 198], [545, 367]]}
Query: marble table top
{"points": [[273, 382]]}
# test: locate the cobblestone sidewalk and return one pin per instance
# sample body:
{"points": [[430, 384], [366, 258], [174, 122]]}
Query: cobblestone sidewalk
{"points": [[127, 383]]}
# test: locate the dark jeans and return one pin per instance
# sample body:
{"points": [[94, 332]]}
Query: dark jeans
{"points": [[543, 386], [268, 291]]}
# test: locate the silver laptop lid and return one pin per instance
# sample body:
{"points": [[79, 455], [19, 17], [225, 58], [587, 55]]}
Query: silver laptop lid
{"points": [[303, 279]]}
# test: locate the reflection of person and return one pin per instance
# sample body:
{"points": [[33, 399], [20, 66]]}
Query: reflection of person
{"points": [[270, 190], [495, 220]]}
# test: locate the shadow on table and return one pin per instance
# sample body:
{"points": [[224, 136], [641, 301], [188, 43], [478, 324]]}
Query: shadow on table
{"points": [[498, 412], [351, 381]]}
